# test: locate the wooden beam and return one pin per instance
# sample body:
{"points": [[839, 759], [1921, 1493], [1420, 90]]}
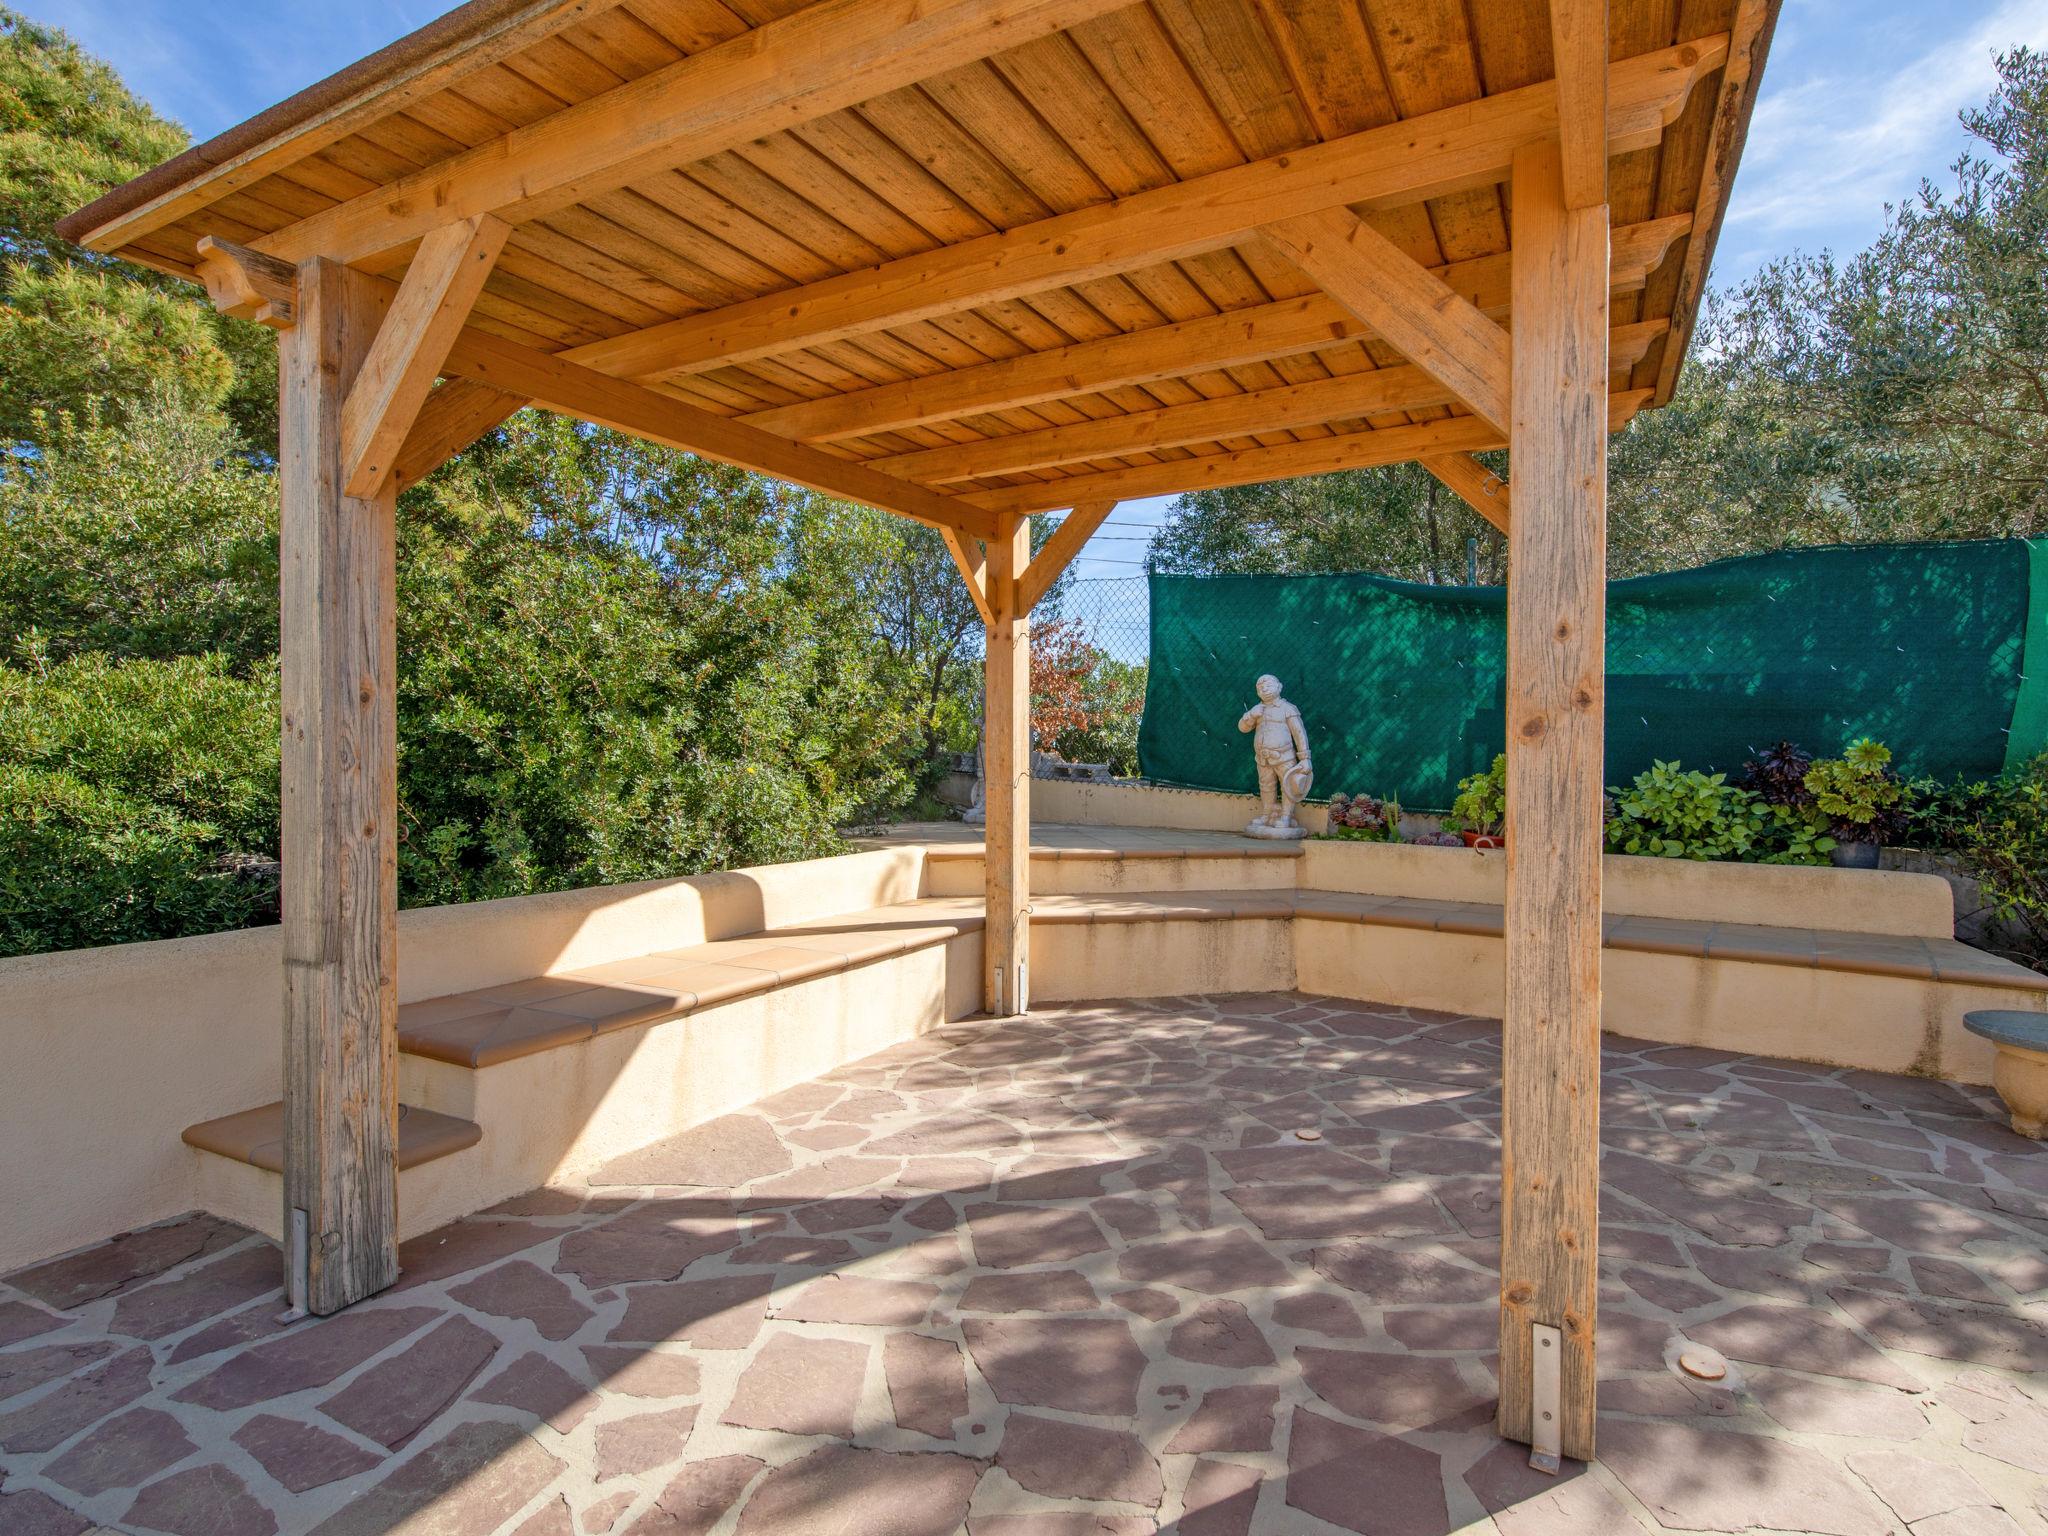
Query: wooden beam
{"points": [[1006, 776], [247, 285], [1578, 45], [818, 60], [1401, 163], [1750, 42], [339, 657], [971, 561], [1424, 319], [465, 54], [1046, 567], [1229, 340], [1550, 1081], [1252, 466], [1484, 491], [1265, 410], [553, 383], [557, 385], [454, 415], [428, 313]]}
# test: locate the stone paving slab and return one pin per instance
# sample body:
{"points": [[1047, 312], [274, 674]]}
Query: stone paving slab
{"points": [[1084, 1275]]}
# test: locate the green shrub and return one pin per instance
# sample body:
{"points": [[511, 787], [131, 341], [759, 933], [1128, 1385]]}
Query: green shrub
{"points": [[1859, 793], [1999, 828], [129, 791], [1675, 813], [1482, 802]]}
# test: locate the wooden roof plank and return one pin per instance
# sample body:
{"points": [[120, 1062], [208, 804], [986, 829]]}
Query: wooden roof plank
{"points": [[826, 57], [1403, 162]]}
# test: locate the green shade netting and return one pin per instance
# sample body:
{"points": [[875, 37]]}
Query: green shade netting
{"points": [[1939, 650]]}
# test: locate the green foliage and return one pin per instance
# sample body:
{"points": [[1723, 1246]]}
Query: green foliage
{"points": [[1482, 802], [1401, 521], [77, 337], [69, 130], [1674, 813], [152, 537], [127, 792], [1858, 792], [2000, 830], [1671, 813], [668, 669]]}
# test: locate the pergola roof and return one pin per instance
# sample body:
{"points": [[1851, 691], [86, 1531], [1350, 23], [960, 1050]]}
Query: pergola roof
{"points": [[1015, 255]]}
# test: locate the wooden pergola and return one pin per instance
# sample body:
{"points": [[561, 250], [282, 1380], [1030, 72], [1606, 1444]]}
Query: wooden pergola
{"points": [[966, 261]]}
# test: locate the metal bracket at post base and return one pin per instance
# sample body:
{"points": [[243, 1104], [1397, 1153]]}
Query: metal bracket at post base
{"points": [[298, 1264], [1546, 1427], [1002, 992]]}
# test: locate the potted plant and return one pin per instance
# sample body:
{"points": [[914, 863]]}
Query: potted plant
{"points": [[1861, 797], [1479, 814]]}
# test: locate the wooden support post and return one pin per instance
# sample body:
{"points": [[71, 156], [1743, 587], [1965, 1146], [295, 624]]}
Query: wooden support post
{"points": [[1006, 776], [1550, 1143], [338, 647]]}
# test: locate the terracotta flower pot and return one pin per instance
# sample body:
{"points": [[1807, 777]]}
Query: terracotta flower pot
{"points": [[1483, 840]]}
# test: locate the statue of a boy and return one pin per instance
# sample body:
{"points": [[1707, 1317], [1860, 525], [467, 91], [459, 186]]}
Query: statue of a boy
{"points": [[1280, 748]]}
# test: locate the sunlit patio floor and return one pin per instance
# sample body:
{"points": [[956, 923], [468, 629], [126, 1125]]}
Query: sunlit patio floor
{"points": [[1203, 1266]]}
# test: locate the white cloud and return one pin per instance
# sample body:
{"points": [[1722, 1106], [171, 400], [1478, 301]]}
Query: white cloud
{"points": [[1857, 108]]}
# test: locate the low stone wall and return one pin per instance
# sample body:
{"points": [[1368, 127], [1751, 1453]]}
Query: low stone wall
{"points": [[112, 1052]]}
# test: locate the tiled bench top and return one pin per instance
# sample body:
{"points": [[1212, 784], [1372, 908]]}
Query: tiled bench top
{"points": [[1871, 954], [256, 1136], [520, 1018]]}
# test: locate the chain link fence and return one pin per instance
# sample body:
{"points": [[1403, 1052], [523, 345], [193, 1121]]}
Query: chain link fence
{"points": [[1114, 614]]}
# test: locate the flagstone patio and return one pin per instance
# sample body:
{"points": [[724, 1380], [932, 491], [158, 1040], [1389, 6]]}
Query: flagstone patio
{"points": [[1207, 1266]]}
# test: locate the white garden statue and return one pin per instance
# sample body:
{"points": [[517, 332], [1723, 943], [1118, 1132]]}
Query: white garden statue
{"points": [[1280, 748]]}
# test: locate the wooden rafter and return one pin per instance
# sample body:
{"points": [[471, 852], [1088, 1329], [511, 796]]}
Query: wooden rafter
{"points": [[1381, 168], [1256, 412], [428, 313], [1075, 529], [1249, 466], [786, 72], [1423, 317], [1266, 333], [1173, 426], [1578, 44], [1483, 491]]}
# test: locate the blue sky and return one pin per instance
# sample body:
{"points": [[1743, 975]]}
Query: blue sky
{"points": [[1859, 105]]}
